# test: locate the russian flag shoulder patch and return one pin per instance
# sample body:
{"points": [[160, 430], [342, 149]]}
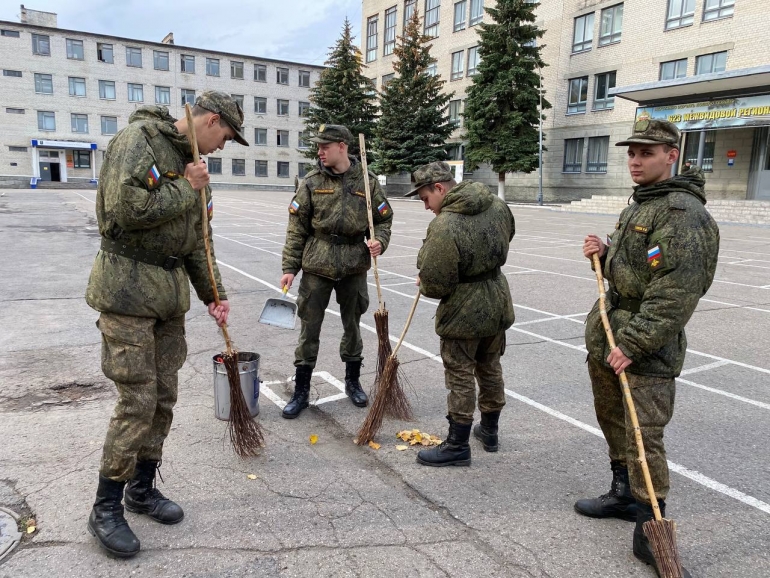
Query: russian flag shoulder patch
{"points": [[293, 207], [655, 257], [383, 209], [152, 178]]}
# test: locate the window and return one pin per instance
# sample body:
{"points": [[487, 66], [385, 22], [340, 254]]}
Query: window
{"points": [[162, 95], [10, 34], [408, 10], [303, 140], [673, 69], [573, 155], [390, 31], [457, 65], [680, 13], [14, 149], [14, 73], [283, 107], [303, 169], [432, 69], [260, 105], [187, 96], [709, 63], [77, 86], [282, 75], [459, 21], [432, 13], [304, 78], [133, 57], [282, 138], [715, 9], [598, 146], [236, 69], [41, 44], [578, 95], [239, 167], [473, 60], [260, 168], [43, 83], [46, 120], [107, 90], [15, 111], [239, 99], [74, 49], [79, 123], [260, 136], [371, 38], [81, 159], [135, 92], [603, 84], [109, 124], [160, 59], [386, 78], [187, 63], [612, 23], [583, 36], [304, 109], [260, 73], [212, 66], [283, 169], [477, 11], [454, 112], [104, 52], [691, 149]]}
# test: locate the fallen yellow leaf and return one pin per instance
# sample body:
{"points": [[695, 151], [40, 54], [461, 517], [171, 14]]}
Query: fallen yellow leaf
{"points": [[31, 529], [402, 448], [374, 445], [415, 431], [313, 439], [252, 477], [412, 442], [418, 437]]}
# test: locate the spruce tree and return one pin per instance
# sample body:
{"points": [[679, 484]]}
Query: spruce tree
{"points": [[501, 112], [343, 95], [413, 125]]}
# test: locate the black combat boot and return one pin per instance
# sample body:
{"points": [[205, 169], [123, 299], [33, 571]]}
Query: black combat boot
{"points": [[353, 386], [617, 503], [454, 451], [107, 523], [299, 400], [142, 497], [486, 431], [642, 548]]}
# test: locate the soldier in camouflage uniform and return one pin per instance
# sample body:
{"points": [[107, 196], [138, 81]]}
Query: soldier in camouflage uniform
{"points": [[149, 212], [327, 238], [659, 262], [459, 263]]}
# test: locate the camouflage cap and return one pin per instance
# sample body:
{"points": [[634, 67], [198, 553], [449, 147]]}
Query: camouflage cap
{"points": [[648, 131], [330, 133], [430, 174], [228, 110]]}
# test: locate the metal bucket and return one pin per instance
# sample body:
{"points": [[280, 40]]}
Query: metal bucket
{"points": [[248, 369]]}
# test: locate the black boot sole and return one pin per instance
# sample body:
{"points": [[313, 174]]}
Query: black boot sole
{"points": [[103, 546], [444, 464], [627, 517], [294, 415], [358, 404], [490, 449], [142, 513]]}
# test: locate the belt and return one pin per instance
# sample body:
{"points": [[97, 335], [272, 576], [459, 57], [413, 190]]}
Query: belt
{"points": [[143, 255], [624, 303], [481, 277], [340, 239]]}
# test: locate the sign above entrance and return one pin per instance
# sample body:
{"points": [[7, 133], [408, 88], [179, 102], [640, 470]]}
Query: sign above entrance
{"points": [[726, 113], [63, 144]]}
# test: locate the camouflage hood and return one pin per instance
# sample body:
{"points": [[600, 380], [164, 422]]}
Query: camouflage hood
{"points": [[691, 182], [159, 118], [467, 198]]}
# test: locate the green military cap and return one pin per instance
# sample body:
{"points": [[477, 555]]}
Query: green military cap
{"points": [[228, 110], [430, 174], [648, 131], [330, 133]]}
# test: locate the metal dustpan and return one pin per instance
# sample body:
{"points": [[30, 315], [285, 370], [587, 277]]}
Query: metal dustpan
{"points": [[280, 312]]}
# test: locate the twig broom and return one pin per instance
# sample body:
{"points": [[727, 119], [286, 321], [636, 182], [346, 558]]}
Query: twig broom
{"points": [[245, 433], [660, 532]]}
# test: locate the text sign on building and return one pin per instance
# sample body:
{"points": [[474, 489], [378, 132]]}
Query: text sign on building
{"points": [[726, 113], [63, 144]]}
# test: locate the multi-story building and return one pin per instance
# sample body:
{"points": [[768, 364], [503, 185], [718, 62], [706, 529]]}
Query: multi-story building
{"points": [[704, 64], [64, 93]]}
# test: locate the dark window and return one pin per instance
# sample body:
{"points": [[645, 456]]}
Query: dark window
{"points": [[46, 120], [283, 107], [457, 65], [187, 63], [188, 96], [477, 12], [282, 138], [239, 99], [282, 75], [215, 165], [304, 108], [9, 33], [432, 14], [15, 111], [260, 105], [303, 169], [162, 95], [603, 84], [459, 21], [133, 57], [710, 63], [135, 92], [109, 124], [17, 149], [260, 136], [283, 169], [573, 155], [104, 52], [673, 69], [303, 141], [107, 90], [212, 66], [236, 70], [390, 31], [371, 38], [160, 60], [80, 123], [74, 49], [715, 9], [41, 44], [454, 112], [473, 60], [612, 24], [578, 95], [239, 167], [583, 35], [691, 149], [260, 73], [82, 159], [260, 168], [77, 86], [680, 13], [43, 83], [14, 73], [304, 78], [598, 147]]}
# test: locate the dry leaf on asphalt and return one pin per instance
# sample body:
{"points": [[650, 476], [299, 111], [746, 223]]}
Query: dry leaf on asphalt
{"points": [[374, 445], [313, 439], [402, 448], [252, 477]]}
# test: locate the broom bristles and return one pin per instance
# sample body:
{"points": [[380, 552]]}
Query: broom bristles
{"points": [[662, 537], [383, 339], [395, 402], [245, 433], [388, 399]]}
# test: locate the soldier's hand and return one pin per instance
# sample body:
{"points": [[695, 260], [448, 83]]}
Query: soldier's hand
{"points": [[287, 280], [418, 281], [197, 175], [375, 247], [220, 312], [593, 244], [618, 360]]}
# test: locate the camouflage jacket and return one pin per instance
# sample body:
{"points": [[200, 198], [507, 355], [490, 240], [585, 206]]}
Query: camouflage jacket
{"points": [[663, 253], [144, 201], [328, 221], [468, 239]]}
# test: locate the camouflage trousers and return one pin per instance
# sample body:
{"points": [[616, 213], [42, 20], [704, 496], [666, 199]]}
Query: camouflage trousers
{"points": [[352, 295], [654, 401], [467, 361], [142, 356]]}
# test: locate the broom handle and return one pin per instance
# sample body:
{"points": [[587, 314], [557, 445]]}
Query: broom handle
{"points": [[362, 146], [406, 327], [626, 390], [205, 223]]}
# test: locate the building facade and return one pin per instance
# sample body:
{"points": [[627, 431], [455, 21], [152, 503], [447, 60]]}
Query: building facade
{"points": [[703, 64], [65, 93]]}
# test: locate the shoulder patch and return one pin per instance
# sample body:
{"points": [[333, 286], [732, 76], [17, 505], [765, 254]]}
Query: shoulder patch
{"points": [[655, 257], [359, 194], [640, 228], [152, 177], [383, 208], [293, 207], [323, 191]]}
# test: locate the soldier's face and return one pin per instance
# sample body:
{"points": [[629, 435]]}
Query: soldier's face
{"points": [[649, 164], [214, 135], [432, 197], [331, 154]]}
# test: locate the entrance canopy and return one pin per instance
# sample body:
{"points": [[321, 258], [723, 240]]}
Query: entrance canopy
{"points": [[63, 144]]}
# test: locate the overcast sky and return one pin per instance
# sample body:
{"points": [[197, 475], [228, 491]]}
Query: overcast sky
{"points": [[296, 30]]}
